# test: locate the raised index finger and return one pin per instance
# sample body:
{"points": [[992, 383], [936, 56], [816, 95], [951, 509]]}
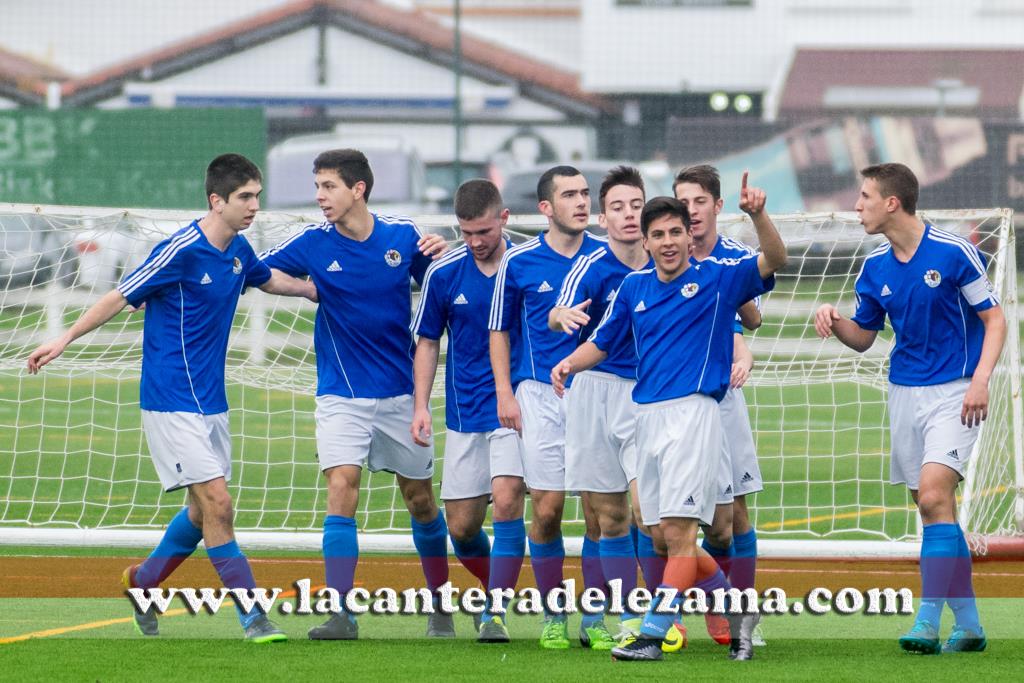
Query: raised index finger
{"points": [[743, 183]]}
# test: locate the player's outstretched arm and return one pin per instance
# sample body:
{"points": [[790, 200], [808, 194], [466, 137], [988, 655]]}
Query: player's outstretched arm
{"points": [[742, 362], [100, 312], [828, 321], [568, 319], [750, 317], [509, 415], [773, 251], [975, 408], [424, 369], [286, 285], [586, 356]]}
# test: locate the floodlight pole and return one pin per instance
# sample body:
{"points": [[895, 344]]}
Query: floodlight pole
{"points": [[457, 104]]}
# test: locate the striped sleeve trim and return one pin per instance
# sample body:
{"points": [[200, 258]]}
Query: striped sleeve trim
{"points": [[148, 270]]}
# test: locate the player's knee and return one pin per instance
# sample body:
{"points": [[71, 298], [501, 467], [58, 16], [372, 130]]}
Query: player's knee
{"points": [[935, 505], [421, 505], [720, 537], [462, 530]]}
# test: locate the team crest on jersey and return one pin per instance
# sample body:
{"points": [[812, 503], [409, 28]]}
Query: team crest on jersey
{"points": [[689, 289], [236, 267], [932, 278], [392, 258], [611, 295]]}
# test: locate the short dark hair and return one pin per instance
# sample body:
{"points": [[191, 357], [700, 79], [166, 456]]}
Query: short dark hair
{"points": [[663, 206], [546, 184], [620, 175], [704, 175], [350, 165], [227, 173], [895, 180], [477, 198]]}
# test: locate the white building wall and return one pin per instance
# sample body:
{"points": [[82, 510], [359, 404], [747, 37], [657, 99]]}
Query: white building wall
{"points": [[82, 36], [673, 49]]}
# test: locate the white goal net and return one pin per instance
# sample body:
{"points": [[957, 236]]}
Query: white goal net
{"points": [[73, 456]]}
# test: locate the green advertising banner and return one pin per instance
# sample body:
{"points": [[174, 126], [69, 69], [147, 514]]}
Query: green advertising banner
{"points": [[152, 158]]}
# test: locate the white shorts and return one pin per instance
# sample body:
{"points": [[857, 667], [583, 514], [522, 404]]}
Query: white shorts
{"points": [[738, 439], [679, 446], [188, 448], [543, 435], [472, 459], [370, 432], [924, 425], [600, 433]]}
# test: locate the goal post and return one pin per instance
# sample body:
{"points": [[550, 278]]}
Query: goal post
{"points": [[74, 467]]}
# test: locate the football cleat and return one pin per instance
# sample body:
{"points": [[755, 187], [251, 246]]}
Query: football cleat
{"points": [[923, 638], [145, 622], [637, 649], [555, 635], [965, 640]]}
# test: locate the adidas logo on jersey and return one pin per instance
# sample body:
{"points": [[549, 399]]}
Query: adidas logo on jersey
{"points": [[952, 454], [611, 295], [544, 287], [886, 291], [461, 299], [728, 489], [640, 308], [334, 267], [689, 501], [746, 478], [206, 279]]}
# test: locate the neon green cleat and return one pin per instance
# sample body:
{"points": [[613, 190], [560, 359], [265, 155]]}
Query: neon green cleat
{"points": [[493, 631], [596, 636], [555, 635], [263, 630]]}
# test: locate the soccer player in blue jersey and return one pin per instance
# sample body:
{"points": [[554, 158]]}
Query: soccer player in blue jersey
{"points": [[949, 331], [525, 292], [600, 448], [361, 263], [481, 457], [680, 317], [190, 285], [731, 539]]}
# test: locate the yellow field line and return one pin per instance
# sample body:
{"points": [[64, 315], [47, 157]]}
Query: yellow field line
{"points": [[80, 627], [869, 512], [121, 620]]}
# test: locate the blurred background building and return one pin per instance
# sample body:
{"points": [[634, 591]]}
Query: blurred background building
{"points": [[97, 97]]}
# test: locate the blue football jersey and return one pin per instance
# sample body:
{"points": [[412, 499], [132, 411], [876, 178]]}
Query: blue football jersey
{"points": [[682, 329], [727, 247], [457, 299], [525, 291], [361, 334], [190, 289], [932, 302], [596, 276]]}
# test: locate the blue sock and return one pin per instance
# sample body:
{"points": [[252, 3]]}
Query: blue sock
{"points": [[710, 583], [723, 556], [341, 553], [178, 542], [507, 555], [593, 576], [657, 625], [234, 572], [652, 565], [744, 562], [431, 541], [619, 562], [547, 560], [938, 561], [961, 590], [475, 555]]}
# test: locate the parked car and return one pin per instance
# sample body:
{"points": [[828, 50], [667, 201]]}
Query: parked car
{"points": [[33, 252], [399, 175]]}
